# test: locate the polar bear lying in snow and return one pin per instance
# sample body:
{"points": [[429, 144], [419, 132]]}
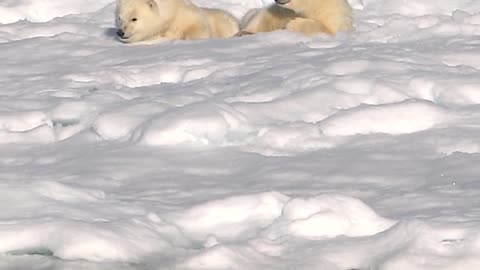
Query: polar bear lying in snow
{"points": [[303, 16], [139, 20]]}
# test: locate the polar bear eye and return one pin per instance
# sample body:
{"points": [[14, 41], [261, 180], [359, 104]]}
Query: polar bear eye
{"points": [[134, 19]]}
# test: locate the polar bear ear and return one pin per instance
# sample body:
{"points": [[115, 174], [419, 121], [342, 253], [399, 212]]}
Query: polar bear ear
{"points": [[152, 4]]}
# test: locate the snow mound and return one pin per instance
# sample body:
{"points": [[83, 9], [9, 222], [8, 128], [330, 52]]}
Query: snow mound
{"points": [[274, 215], [213, 224], [331, 216], [401, 118], [100, 241], [229, 219], [199, 123], [419, 8], [45, 10]]}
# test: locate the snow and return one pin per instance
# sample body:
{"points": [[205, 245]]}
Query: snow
{"points": [[268, 151]]}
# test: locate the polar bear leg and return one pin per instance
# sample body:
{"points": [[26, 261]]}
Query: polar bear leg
{"points": [[269, 19], [307, 26], [222, 23], [197, 32]]}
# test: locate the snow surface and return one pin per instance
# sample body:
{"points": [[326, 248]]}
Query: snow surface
{"points": [[270, 151]]}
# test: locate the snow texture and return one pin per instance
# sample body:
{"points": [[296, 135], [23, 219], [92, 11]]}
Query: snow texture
{"points": [[270, 151]]}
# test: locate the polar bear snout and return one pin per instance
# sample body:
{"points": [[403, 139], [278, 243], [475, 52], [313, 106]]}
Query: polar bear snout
{"points": [[120, 33], [282, 2]]}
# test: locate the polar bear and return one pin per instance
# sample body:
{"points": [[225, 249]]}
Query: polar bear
{"points": [[304, 16], [139, 20]]}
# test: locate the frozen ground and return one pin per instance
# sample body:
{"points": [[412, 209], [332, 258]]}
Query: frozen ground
{"points": [[273, 151]]}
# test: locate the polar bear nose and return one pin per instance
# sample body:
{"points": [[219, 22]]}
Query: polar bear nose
{"points": [[282, 2], [120, 33]]}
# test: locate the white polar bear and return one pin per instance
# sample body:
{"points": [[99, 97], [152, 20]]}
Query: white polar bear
{"points": [[304, 16], [139, 20]]}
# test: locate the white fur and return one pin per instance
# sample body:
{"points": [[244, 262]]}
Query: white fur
{"points": [[304, 16], [172, 19]]}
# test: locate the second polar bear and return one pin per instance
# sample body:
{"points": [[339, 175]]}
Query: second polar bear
{"points": [[304, 16], [139, 20]]}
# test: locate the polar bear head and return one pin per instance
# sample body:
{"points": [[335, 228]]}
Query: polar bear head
{"points": [[138, 20]]}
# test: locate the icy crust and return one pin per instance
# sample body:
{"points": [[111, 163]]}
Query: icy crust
{"points": [[189, 101], [240, 93], [268, 229], [255, 218], [416, 8], [133, 157], [46, 10]]}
